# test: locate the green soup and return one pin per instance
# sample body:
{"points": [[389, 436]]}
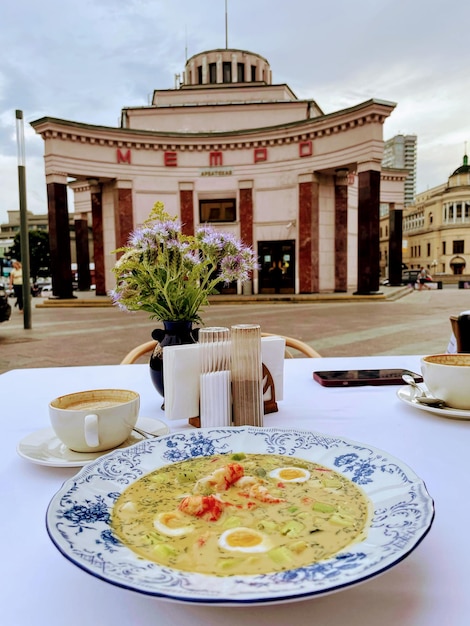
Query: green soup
{"points": [[240, 514]]}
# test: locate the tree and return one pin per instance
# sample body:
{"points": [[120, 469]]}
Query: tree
{"points": [[39, 256]]}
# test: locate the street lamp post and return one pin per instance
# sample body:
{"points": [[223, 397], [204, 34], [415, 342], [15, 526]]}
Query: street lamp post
{"points": [[24, 234]]}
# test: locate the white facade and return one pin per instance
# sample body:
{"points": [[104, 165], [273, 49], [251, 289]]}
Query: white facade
{"points": [[287, 168]]}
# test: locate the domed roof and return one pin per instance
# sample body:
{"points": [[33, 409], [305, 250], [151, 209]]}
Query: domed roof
{"points": [[464, 168]]}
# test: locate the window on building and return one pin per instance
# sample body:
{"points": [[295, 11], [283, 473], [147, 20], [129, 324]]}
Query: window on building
{"points": [[459, 211], [253, 73], [199, 74], [227, 72], [212, 73], [241, 72], [430, 218], [467, 210], [443, 247], [458, 246], [428, 249], [218, 210]]}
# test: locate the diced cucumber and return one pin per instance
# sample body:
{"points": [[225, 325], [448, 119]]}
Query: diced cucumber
{"points": [[228, 563], [281, 555], [323, 507], [163, 550], [238, 456], [266, 524], [187, 477], [292, 528], [342, 520], [298, 546], [331, 483], [232, 522]]}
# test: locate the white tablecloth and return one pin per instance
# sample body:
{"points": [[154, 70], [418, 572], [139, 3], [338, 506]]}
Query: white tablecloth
{"points": [[429, 588]]}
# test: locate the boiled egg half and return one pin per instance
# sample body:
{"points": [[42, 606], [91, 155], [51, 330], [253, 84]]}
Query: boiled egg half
{"points": [[290, 474], [172, 523], [243, 539]]}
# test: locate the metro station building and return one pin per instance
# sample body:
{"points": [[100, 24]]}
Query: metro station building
{"points": [[228, 147]]}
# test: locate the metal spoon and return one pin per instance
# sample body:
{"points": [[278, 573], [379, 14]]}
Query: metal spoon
{"points": [[144, 433], [422, 398]]}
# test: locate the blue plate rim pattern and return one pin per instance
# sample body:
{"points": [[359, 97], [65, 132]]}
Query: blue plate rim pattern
{"points": [[77, 517]]}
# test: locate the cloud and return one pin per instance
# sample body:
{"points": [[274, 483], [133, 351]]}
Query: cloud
{"points": [[86, 61]]}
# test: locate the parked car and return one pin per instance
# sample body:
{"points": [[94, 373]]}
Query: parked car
{"points": [[408, 277], [46, 290], [5, 308]]}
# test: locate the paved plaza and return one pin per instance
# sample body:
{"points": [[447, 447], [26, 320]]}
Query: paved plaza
{"points": [[414, 323]]}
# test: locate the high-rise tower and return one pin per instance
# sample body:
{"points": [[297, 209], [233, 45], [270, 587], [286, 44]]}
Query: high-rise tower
{"points": [[400, 152]]}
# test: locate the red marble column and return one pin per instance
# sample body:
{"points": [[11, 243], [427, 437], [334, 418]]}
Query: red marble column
{"points": [[59, 240], [83, 254], [308, 237], [341, 235], [123, 216], [246, 216], [368, 241], [98, 244], [187, 211]]}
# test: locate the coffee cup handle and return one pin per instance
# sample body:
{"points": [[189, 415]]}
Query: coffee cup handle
{"points": [[91, 431]]}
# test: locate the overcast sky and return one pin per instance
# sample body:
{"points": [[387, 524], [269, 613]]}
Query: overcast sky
{"points": [[84, 61]]}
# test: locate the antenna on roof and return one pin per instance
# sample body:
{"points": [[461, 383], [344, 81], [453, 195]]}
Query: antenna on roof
{"points": [[226, 26], [185, 43]]}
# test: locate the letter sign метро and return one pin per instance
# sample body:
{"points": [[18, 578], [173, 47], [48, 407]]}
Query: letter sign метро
{"points": [[170, 159], [305, 148], [215, 159], [260, 154], [123, 158]]}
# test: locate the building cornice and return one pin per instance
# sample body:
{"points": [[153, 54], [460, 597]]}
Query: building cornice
{"points": [[369, 112]]}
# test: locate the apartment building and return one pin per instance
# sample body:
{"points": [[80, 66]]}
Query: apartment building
{"points": [[401, 152]]}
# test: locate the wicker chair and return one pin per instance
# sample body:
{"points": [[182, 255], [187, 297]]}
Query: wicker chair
{"points": [[295, 344]]}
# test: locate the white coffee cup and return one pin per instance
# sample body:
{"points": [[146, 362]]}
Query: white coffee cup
{"points": [[447, 376], [94, 420]]}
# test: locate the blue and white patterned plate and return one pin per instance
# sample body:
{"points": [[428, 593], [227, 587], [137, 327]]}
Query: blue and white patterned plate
{"points": [[78, 517]]}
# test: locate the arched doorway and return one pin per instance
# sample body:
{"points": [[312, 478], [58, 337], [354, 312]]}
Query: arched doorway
{"points": [[457, 265]]}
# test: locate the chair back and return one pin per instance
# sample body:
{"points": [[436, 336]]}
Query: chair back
{"points": [[295, 344], [461, 329]]}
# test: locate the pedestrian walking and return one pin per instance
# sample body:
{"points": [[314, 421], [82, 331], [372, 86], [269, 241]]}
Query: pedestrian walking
{"points": [[16, 283], [424, 278]]}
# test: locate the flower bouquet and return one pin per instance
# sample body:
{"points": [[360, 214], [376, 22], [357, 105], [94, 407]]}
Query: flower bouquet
{"points": [[170, 275]]}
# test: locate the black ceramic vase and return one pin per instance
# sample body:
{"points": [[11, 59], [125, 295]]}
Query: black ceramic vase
{"points": [[173, 334]]}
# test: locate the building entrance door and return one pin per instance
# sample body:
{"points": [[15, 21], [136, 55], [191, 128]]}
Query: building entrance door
{"points": [[277, 271]]}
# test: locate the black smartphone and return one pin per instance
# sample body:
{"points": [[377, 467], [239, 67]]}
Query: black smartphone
{"points": [[354, 378]]}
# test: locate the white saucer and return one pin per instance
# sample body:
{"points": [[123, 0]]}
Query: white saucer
{"points": [[407, 395], [45, 448]]}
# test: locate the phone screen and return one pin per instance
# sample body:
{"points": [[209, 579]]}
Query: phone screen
{"points": [[348, 378]]}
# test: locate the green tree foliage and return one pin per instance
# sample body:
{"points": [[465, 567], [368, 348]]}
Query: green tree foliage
{"points": [[39, 256]]}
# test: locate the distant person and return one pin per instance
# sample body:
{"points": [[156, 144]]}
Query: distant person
{"points": [[424, 278], [276, 276], [16, 283]]}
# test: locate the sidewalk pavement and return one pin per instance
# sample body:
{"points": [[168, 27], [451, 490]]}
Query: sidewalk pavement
{"points": [[88, 330]]}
